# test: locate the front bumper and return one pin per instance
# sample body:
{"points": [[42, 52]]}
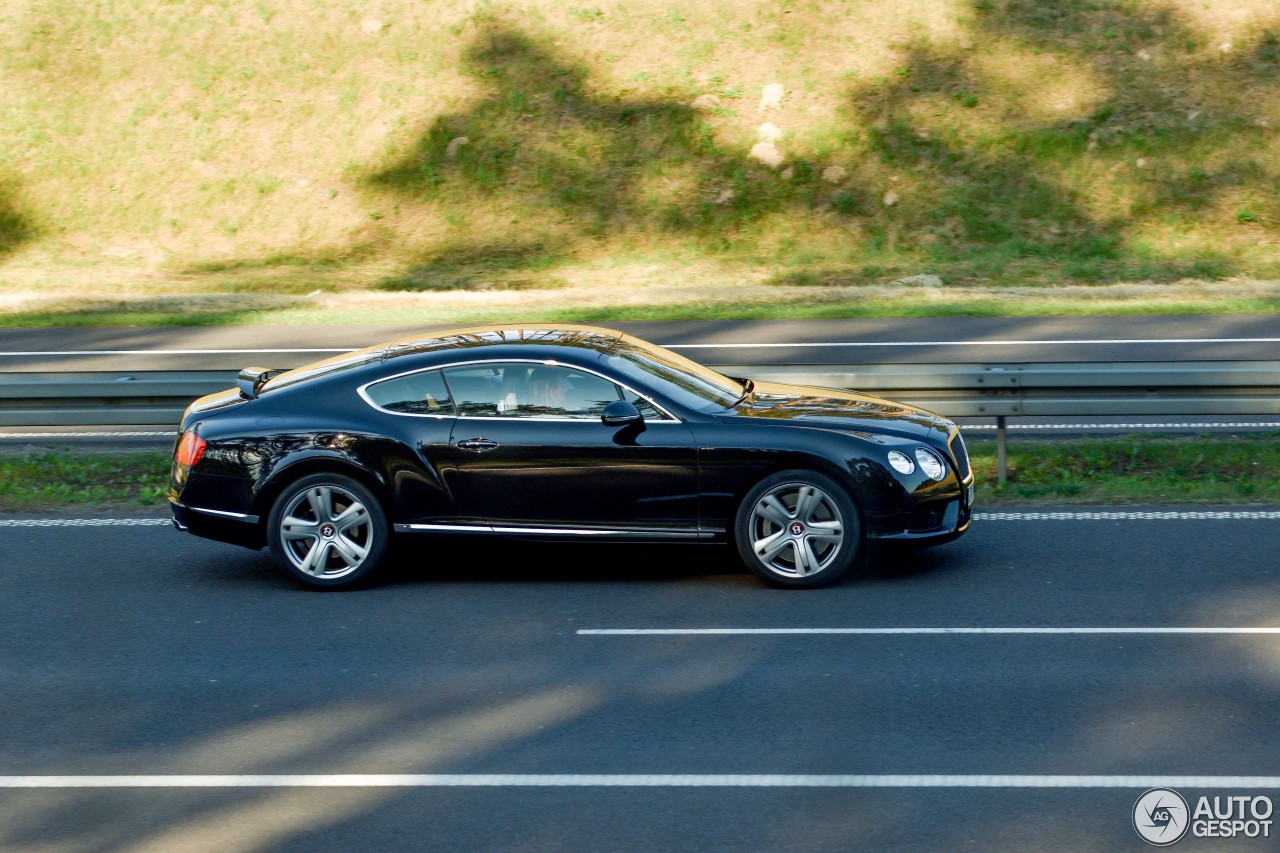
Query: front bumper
{"points": [[931, 522]]}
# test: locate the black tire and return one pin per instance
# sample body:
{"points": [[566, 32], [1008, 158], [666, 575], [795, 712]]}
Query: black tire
{"points": [[349, 555], [802, 557]]}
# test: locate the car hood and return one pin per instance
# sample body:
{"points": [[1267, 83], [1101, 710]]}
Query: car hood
{"points": [[803, 405]]}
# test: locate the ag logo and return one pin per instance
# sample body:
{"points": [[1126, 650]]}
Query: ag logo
{"points": [[1160, 816]]}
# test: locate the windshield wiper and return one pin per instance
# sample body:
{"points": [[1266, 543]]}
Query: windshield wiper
{"points": [[748, 389]]}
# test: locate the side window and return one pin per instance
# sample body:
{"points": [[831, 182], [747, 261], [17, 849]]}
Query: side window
{"points": [[523, 390], [562, 392], [646, 408], [416, 394], [482, 390]]}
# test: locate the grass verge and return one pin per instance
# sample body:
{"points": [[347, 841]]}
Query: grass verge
{"points": [[463, 148], [1150, 470], [45, 481], [1139, 470]]}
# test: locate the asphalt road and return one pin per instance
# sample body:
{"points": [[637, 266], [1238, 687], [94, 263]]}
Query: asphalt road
{"points": [[922, 340], [139, 650]]}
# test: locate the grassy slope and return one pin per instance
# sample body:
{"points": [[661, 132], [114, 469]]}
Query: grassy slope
{"points": [[217, 161], [1203, 469]]}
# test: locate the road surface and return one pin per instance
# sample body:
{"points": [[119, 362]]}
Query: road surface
{"points": [[131, 651]]}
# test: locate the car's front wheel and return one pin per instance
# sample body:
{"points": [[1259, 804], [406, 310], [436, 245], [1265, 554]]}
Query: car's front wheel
{"points": [[798, 529], [328, 531]]}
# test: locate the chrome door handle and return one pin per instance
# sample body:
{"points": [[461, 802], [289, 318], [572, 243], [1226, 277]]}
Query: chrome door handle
{"points": [[479, 445]]}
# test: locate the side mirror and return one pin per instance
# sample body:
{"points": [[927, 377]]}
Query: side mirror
{"points": [[620, 413]]}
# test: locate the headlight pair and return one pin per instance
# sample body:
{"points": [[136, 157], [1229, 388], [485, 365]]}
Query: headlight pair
{"points": [[930, 463]]}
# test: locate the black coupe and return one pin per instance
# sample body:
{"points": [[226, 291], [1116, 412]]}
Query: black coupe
{"points": [[558, 432]]}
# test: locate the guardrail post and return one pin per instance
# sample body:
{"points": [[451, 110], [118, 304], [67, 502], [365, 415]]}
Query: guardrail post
{"points": [[1002, 452]]}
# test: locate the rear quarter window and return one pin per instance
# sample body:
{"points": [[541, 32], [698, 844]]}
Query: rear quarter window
{"points": [[423, 393]]}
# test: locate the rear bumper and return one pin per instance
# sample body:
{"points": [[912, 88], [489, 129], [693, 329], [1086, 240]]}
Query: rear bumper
{"points": [[234, 528]]}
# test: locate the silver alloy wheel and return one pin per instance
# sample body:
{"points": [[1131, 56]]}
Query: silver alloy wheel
{"points": [[796, 529], [326, 532]]}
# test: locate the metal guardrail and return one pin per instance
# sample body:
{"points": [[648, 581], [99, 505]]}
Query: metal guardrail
{"points": [[957, 390], [1070, 389], [104, 398]]}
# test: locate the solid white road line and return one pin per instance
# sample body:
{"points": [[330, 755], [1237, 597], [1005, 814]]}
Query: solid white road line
{"points": [[679, 632], [630, 780], [1184, 425], [806, 344], [1065, 341], [20, 353]]}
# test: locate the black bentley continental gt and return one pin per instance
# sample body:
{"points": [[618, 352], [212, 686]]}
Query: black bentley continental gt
{"points": [[560, 432]]}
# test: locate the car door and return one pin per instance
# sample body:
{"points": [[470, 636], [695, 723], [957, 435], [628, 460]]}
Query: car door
{"points": [[530, 454], [421, 415]]}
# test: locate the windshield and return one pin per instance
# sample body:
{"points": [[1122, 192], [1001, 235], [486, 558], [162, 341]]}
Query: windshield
{"points": [[686, 382]]}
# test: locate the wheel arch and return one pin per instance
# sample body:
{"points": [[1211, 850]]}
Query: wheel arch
{"points": [[798, 461], [292, 471]]}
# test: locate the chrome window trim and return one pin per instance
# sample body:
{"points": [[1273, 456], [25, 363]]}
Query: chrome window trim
{"points": [[364, 395], [669, 418]]}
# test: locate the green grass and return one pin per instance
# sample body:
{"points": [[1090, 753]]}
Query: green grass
{"points": [[145, 154], [66, 480], [1146, 470]]}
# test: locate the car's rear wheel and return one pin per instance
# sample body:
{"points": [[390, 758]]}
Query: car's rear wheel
{"points": [[328, 532], [798, 529]]}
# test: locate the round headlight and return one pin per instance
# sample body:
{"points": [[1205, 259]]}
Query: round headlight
{"points": [[901, 462], [930, 463]]}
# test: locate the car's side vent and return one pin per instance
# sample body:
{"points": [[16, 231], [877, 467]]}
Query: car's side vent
{"points": [[959, 454]]}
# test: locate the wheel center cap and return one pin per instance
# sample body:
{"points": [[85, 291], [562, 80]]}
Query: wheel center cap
{"points": [[327, 531], [796, 528]]}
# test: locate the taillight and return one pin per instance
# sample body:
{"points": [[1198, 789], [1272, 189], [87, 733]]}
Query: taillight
{"points": [[190, 449]]}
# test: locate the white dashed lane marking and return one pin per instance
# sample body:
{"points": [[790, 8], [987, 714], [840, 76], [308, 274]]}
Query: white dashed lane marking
{"points": [[1063, 427], [85, 522], [93, 434], [1131, 515]]}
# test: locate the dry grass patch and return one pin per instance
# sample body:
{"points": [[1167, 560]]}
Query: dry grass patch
{"points": [[277, 146]]}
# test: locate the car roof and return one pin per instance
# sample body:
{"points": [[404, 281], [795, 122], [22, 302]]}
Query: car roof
{"points": [[466, 337], [560, 334]]}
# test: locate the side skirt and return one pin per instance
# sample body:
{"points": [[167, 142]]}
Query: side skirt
{"points": [[616, 533]]}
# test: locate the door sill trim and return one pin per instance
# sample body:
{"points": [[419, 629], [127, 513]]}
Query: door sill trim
{"points": [[647, 533]]}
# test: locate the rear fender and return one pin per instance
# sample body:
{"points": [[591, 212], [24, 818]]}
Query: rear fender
{"points": [[313, 462]]}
